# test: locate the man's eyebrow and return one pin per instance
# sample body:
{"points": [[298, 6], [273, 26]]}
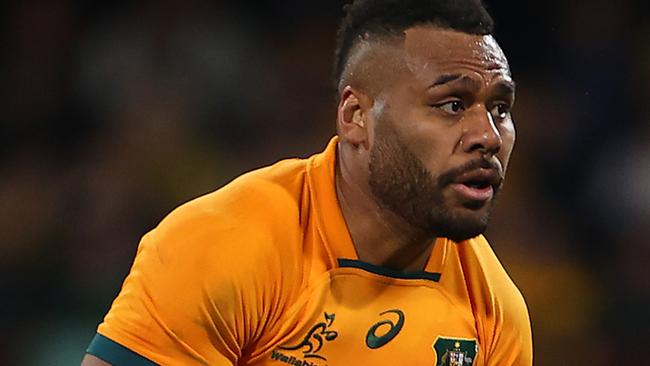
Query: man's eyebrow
{"points": [[448, 78], [505, 87], [444, 79], [502, 87]]}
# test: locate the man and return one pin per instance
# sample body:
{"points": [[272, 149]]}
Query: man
{"points": [[369, 253]]}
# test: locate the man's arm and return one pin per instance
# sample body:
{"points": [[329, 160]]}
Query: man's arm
{"points": [[192, 296], [503, 318], [512, 344], [90, 360], [205, 282]]}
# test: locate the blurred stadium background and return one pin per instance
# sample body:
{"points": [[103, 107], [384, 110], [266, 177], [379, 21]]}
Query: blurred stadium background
{"points": [[113, 113]]}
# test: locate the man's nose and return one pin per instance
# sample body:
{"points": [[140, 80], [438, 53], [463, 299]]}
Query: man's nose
{"points": [[480, 132]]}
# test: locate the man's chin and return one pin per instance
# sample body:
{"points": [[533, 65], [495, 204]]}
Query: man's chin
{"points": [[476, 205], [464, 234], [464, 225]]}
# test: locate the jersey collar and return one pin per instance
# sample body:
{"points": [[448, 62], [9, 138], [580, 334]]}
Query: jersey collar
{"points": [[331, 224]]}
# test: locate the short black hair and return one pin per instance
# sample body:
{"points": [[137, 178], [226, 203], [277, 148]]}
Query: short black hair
{"points": [[368, 18]]}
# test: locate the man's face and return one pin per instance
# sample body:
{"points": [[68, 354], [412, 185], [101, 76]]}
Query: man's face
{"points": [[441, 132]]}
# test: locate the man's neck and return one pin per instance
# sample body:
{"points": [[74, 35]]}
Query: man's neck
{"points": [[379, 235]]}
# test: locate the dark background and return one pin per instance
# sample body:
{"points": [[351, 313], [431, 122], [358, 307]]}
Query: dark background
{"points": [[113, 113]]}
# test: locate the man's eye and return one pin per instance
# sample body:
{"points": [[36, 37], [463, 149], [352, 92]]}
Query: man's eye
{"points": [[453, 107], [500, 110]]}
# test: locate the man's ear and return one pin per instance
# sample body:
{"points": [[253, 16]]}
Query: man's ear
{"points": [[352, 115]]}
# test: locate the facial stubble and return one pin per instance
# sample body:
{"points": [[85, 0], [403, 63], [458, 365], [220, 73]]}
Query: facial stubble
{"points": [[401, 183]]}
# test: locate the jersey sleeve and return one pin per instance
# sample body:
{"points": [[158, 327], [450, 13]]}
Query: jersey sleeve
{"points": [[500, 310], [199, 291], [512, 342]]}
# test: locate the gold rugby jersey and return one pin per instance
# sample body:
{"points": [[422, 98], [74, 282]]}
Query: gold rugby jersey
{"points": [[263, 272]]}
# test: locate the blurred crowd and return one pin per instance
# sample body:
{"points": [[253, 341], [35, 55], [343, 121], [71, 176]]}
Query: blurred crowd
{"points": [[116, 112]]}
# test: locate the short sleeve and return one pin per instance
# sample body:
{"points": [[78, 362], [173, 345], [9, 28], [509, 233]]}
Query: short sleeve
{"points": [[500, 311], [506, 326], [512, 342], [195, 294]]}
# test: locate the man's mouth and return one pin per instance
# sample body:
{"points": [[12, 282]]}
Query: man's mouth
{"points": [[471, 193], [477, 185]]}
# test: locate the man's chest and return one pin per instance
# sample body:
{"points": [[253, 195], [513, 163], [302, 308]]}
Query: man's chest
{"points": [[353, 317]]}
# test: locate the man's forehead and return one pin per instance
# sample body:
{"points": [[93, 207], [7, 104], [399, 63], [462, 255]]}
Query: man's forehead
{"points": [[433, 46]]}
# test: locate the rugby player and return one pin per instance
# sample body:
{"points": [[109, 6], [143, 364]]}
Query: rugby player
{"points": [[368, 253]]}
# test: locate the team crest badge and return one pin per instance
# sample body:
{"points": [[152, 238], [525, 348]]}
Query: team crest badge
{"points": [[455, 351]]}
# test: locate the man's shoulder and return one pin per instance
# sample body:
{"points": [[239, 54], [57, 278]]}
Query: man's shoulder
{"points": [[504, 322], [259, 196], [490, 272], [254, 213]]}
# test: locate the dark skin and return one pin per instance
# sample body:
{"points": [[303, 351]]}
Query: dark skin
{"points": [[387, 96], [446, 97]]}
